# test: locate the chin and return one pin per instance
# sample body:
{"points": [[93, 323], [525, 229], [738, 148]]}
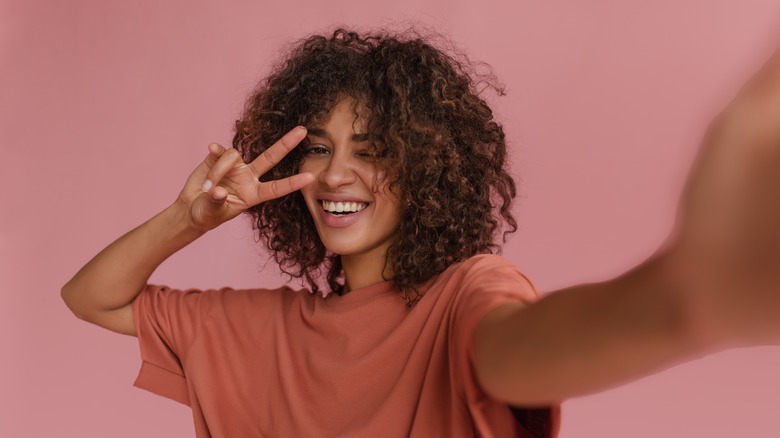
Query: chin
{"points": [[341, 248]]}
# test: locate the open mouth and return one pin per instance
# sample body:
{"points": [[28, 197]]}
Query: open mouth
{"points": [[342, 208]]}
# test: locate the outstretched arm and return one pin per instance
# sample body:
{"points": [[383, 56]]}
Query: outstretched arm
{"points": [[585, 338], [220, 188], [715, 285]]}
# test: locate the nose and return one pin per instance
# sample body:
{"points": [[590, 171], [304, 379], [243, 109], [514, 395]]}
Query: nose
{"points": [[339, 172]]}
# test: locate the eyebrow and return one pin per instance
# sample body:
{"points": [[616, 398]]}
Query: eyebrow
{"points": [[355, 137]]}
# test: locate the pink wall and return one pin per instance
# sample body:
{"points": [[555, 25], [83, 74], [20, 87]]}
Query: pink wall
{"points": [[106, 106]]}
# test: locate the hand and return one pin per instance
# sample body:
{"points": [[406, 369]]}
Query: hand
{"points": [[727, 246], [223, 186]]}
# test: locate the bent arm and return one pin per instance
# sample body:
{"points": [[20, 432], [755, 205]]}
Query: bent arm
{"points": [[586, 338], [218, 190], [103, 290]]}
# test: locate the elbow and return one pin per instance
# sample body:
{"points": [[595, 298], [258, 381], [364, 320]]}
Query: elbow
{"points": [[67, 294]]}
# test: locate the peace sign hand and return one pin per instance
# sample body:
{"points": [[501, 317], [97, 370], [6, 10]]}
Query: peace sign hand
{"points": [[223, 186]]}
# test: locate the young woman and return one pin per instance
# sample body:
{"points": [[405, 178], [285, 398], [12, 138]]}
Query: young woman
{"points": [[374, 170]]}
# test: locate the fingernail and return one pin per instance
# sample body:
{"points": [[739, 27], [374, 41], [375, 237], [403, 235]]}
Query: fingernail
{"points": [[301, 128], [207, 185]]}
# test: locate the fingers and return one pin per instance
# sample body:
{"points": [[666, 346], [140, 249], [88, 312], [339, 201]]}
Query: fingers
{"points": [[221, 161], [224, 161], [215, 151], [218, 194], [273, 155], [284, 186]]}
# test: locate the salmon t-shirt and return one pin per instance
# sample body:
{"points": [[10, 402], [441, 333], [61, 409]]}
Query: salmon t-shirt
{"points": [[284, 362]]}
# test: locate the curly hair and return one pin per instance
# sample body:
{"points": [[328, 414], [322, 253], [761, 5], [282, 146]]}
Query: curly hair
{"points": [[443, 153]]}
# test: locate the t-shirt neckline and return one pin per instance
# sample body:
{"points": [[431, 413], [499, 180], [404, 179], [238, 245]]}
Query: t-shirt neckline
{"points": [[362, 294]]}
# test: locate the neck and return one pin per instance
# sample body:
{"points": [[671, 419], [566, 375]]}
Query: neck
{"points": [[362, 270]]}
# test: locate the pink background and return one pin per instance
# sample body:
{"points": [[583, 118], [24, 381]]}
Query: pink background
{"points": [[105, 106]]}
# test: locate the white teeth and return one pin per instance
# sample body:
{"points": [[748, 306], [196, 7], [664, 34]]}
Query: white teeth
{"points": [[342, 207]]}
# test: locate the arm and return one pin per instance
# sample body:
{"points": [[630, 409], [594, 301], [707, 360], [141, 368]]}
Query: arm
{"points": [[715, 286], [585, 338], [219, 189], [103, 290]]}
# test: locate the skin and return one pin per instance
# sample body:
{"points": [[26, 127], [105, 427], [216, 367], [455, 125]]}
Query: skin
{"points": [[339, 157], [713, 285], [219, 189]]}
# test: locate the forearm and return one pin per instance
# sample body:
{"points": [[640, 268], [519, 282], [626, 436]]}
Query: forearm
{"points": [[117, 274], [589, 338]]}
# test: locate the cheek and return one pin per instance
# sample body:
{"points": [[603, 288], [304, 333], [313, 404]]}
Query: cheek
{"points": [[390, 205], [310, 167], [375, 180], [380, 187], [308, 197], [304, 166], [390, 197]]}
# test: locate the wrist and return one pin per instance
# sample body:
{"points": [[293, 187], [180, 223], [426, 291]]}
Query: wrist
{"points": [[177, 223]]}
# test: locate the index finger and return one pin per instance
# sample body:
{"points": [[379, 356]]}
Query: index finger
{"points": [[274, 154]]}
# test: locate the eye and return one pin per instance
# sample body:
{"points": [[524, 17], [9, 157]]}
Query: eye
{"points": [[316, 149], [369, 153], [366, 154]]}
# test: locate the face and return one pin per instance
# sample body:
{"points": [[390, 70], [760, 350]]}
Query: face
{"points": [[354, 211]]}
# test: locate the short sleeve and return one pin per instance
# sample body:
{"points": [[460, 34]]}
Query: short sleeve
{"points": [[487, 282], [166, 323]]}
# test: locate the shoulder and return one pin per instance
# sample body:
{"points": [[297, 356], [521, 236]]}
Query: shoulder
{"points": [[484, 283], [226, 298], [483, 262], [491, 273]]}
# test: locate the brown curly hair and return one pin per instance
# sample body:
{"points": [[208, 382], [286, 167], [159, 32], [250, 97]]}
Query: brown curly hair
{"points": [[444, 154]]}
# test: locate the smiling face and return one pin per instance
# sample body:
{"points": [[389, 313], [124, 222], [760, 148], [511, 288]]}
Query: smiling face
{"points": [[354, 211]]}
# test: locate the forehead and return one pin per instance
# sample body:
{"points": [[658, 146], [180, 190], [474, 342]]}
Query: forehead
{"points": [[346, 111]]}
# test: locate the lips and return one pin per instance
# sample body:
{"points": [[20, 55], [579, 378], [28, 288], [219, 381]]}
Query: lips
{"points": [[349, 214]]}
